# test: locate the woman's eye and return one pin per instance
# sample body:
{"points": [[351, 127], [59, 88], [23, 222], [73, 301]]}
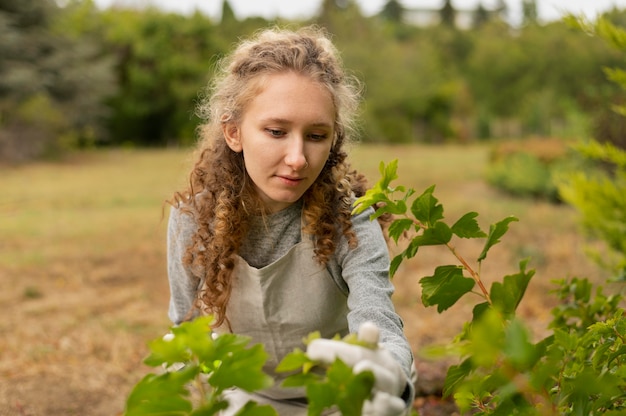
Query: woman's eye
{"points": [[275, 132], [318, 137]]}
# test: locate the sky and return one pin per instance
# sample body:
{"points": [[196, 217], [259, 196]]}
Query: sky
{"points": [[292, 9]]}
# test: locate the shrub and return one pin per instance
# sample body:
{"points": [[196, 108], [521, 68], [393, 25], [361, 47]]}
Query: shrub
{"points": [[531, 168]]}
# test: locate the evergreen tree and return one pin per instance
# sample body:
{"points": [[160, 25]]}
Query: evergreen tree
{"points": [[392, 11], [448, 14], [228, 15], [529, 12], [481, 16]]}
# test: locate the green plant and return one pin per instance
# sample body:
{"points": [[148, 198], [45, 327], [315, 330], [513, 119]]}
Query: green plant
{"points": [[211, 365], [580, 369]]}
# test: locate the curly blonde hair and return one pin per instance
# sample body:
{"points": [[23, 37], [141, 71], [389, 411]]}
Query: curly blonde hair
{"points": [[220, 195]]}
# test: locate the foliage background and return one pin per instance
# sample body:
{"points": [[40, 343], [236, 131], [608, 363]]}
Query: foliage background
{"points": [[77, 76]]}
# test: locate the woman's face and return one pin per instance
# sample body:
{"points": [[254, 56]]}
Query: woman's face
{"points": [[285, 134]]}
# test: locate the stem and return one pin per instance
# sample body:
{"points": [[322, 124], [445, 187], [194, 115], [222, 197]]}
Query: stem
{"points": [[471, 271], [475, 276]]}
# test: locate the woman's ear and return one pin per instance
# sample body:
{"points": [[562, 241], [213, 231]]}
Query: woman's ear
{"points": [[232, 136]]}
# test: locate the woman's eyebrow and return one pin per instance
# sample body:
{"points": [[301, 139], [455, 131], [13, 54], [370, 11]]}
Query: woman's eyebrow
{"points": [[279, 120]]}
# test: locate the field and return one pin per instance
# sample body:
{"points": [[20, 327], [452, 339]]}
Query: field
{"points": [[82, 265]]}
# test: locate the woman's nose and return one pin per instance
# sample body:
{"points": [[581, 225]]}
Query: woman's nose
{"points": [[295, 157]]}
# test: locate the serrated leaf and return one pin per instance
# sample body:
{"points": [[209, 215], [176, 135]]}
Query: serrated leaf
{"points": [[301, 379], [371, 197], [496, 231], [479, 310], [164, 394], [398, 227], [518, 349], [467, 227], [395, 263], [445, 287], [436, 235], [254, 409], [615, 354], [411, 250], [426, 209], [389, 207], [321, 396], [166, 352], [455, 375], [507, 295], [293, 361], [388, 173], [340, 387], [242, 368]]}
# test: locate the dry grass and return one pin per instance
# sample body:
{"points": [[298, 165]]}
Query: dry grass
{"points": [[82, 266]]}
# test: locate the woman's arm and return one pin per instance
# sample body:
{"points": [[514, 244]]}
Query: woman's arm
{"points": [[365, 270], [183, 284]]}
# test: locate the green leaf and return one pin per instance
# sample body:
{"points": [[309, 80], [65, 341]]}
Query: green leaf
{"points": [[479, 310], [518, 349], [426, 209], [342, 388], [254, 409], [164, 394], [389, 207], [487, 339], [166, 352], [293, 361], [467, 227], [395, 263], [371, 197], [301, 379], [507, 295], [321, 396], [439, 234], [378, 193], [496, 231], [242, 367], [398, 227], [388, 173], [445, 287], [456, 374]]}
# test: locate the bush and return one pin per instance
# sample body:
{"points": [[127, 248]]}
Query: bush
{"points": [[531, 168]]}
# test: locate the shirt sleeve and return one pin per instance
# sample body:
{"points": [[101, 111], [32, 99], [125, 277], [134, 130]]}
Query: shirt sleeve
{"points": [[365, 270], [183, 284]]}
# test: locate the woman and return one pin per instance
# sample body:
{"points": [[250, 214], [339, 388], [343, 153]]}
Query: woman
{"points": [[263, 238]]}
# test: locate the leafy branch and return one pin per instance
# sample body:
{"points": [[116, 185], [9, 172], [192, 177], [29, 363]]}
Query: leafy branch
{"points": [[424, 218]]}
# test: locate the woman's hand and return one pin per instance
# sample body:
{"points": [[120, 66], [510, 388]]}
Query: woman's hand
{"points": [[390, 379]]}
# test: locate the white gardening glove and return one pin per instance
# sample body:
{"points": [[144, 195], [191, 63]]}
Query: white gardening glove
{"points": [[390, 380]]}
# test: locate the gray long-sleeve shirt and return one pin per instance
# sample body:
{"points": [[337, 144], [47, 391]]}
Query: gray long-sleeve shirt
{"points": [[361, 273]]}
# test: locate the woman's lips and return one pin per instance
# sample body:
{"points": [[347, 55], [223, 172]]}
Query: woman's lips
{"points": [[289, 180]]}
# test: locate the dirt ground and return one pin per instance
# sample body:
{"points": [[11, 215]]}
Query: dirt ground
{"points": [[77, 327]]}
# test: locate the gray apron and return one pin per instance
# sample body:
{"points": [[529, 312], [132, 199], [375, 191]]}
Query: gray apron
{"points": [[278, 306]]}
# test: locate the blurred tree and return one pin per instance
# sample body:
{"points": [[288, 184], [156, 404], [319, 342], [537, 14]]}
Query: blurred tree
{"points": [[392, 11], [163, 62], [228, 15], [481, 16], [529, 12], [448, 14], [502, 9], [534, 75], [51, 84]]}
